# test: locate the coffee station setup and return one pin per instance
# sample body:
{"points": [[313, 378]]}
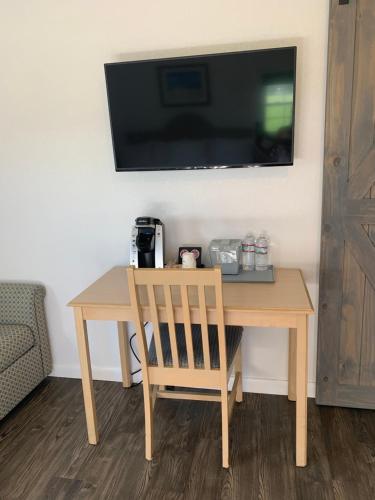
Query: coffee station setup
{"points": [[241, 261], [191, 132]]}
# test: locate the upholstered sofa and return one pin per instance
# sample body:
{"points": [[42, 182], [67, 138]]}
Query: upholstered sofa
{"points": [[25, 357]]}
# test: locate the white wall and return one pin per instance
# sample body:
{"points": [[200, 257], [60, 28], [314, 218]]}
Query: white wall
{"points": [[65, 214]]}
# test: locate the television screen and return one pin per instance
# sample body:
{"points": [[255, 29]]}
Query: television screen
{"points": [[209, 111]]}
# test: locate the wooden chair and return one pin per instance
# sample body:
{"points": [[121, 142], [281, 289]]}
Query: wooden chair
{"points": [[185, 351]]}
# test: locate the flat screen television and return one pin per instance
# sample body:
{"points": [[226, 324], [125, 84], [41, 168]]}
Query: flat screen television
{"points": [[209, 111]]}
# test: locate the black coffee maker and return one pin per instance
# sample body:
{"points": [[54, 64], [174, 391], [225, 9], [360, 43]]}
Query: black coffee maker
{"points": [[147, 243]]}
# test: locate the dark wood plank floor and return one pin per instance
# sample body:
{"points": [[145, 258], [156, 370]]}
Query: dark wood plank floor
{"points": [[44, 451]]}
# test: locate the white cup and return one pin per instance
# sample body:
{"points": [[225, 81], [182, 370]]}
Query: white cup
{"points": [[188, 260]]}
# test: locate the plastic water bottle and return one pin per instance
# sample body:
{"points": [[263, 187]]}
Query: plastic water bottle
{"points": [[248, 253], [261, 253]]}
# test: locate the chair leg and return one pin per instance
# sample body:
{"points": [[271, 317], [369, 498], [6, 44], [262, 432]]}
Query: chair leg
{"points": [[225, 427], [238, 369], [148, 402], [153, 393]]}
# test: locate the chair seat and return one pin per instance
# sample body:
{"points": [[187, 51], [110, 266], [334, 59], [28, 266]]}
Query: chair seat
{"points": [[233, 335], [15, 341]]}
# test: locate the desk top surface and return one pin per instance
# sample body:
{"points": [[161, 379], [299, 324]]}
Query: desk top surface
{"points": [[288, 293]]}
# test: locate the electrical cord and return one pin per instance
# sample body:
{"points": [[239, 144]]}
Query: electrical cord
{"points": [[136, 357], [134, 353]]}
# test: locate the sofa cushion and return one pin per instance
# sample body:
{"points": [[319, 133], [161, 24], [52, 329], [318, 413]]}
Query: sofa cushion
{"points": [[15, 340]]}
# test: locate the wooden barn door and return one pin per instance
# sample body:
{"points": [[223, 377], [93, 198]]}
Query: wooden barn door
{"points": [[346, 340]]}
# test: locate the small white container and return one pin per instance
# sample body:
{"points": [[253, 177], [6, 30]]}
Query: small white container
{"points": [[188, 260]]}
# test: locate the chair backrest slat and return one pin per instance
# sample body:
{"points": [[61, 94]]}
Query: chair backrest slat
{"points": [[155, 323], [187, 325], [139, 327], [204, 327], [171, 325]]}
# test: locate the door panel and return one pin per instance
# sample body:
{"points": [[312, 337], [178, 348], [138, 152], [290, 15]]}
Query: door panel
{"points": [[367, 378], [351, 320], [346, 337]]}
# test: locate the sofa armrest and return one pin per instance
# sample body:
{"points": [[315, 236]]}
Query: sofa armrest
{"points": [[23, 303]]}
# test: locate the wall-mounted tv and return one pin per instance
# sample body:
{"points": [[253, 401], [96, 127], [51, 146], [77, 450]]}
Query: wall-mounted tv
{"points": [[210, 111]]}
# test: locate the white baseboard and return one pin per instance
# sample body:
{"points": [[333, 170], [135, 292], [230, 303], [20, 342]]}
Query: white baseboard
{"points": [[272, 386], [250, 384]]}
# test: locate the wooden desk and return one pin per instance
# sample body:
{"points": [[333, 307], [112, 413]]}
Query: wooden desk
{"points": [[285, 304]]}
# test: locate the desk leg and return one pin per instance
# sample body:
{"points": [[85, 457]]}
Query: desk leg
{"points": [[124, 353], [87, 385], [292, 364], [301, 386]]}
